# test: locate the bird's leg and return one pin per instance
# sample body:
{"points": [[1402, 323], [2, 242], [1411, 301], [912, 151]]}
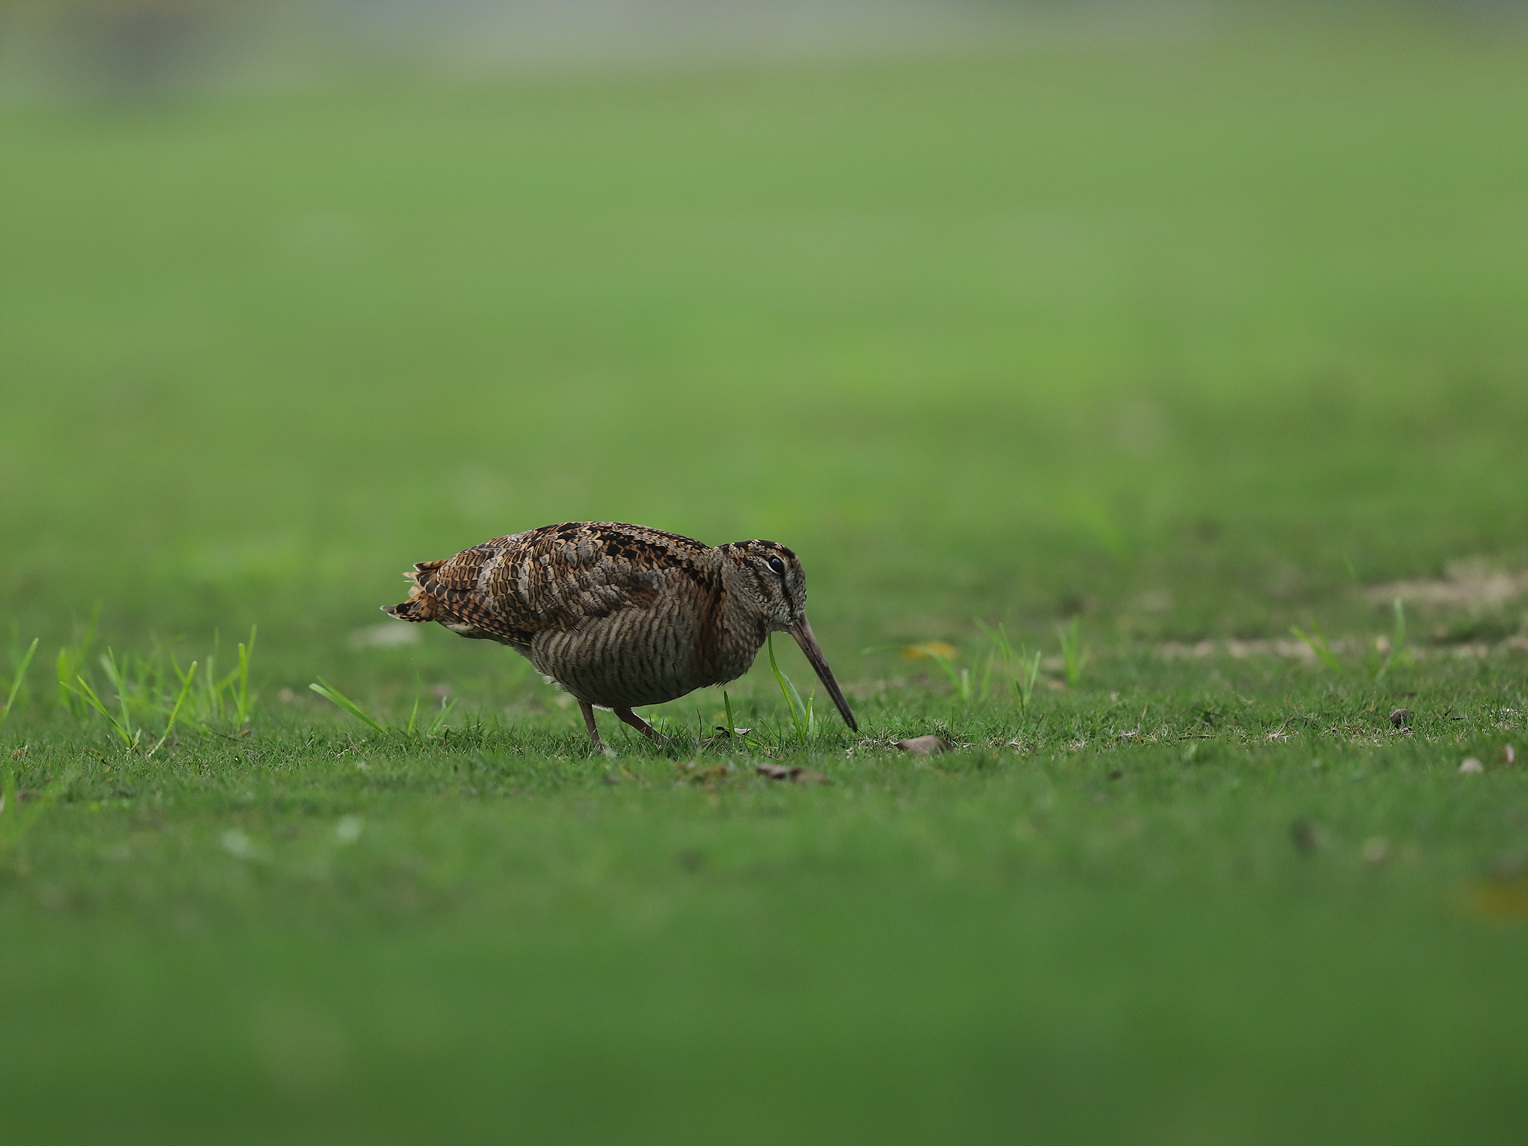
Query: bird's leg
{"points": [[594, 729], [627, 716]]}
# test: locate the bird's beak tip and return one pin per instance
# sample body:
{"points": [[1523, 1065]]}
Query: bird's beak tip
{"points": [[808, 642]]}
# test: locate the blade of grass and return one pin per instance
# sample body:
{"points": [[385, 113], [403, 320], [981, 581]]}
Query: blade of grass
{"points": [[119, 681], [334, 696], [1316, 642], [440, 717], [213, 701], [414, 712], [192, 716], [1031, 674], [21, 672], [72, 661], [185, 689], [788, 690], [65, 671], [1397, 641], [243, 705], [984, 685]]}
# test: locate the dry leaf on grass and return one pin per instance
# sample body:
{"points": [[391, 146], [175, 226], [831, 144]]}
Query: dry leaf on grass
{"points": [[792, 772], [924, 746], [929, 650], [692, 771], [1499, 899]]}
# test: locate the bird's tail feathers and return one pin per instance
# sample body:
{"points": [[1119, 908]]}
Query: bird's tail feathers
{"points": [[421, 605]]}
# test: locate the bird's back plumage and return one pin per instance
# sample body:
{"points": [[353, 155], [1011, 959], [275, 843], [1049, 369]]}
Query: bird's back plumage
{"points": [[619, 615]]}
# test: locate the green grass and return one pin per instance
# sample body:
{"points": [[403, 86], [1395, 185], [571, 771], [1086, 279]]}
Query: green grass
{"points": [[1138, 358]]}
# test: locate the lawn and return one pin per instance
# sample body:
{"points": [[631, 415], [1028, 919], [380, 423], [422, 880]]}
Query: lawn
{"points": [[1159, 350]]}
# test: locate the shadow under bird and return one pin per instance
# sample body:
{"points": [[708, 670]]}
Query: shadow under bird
{"points": [[622, 615]]}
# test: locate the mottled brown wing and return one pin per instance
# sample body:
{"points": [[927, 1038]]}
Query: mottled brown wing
{"points": [[449, 591], [557, 576]]}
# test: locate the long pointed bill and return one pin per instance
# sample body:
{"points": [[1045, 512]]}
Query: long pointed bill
{"points": [[808, 643]]}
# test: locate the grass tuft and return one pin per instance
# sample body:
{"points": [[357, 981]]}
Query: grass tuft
{"points": [[1396, 654], [1019, 667], [1074, 654]]}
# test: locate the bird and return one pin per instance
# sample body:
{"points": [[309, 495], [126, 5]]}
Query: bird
{"points": [[621, 616]]}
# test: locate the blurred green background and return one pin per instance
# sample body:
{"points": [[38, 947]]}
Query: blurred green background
{"points": [[1194, 321], [1235, 314]]}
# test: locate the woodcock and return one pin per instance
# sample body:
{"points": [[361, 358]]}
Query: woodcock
{"points": [[622, 615]]}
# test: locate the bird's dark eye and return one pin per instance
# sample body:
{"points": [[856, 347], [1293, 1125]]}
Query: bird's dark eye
{"points": [[777, 565]]}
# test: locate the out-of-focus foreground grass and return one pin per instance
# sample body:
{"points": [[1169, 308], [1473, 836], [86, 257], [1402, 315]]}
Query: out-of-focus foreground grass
{"points": [[1197, 339]]}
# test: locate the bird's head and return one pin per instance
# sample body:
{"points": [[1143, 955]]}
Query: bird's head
{"points": [[767, 582]]}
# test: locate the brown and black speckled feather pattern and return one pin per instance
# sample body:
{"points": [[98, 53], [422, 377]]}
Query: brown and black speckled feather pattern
{"points": [[619, 615]]}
